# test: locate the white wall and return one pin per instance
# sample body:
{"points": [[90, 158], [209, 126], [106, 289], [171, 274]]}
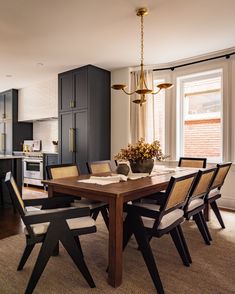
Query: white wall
{"points": [[120, 112], [38, 101], [46, 131], [120, 115]]}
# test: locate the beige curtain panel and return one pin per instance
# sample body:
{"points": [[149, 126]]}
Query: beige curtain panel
{"points": [[138, 114]]}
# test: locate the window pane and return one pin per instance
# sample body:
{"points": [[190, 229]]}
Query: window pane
{"points": [[202, 127]]}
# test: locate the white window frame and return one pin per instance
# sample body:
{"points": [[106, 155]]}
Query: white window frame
{"points": [[180, 108]]}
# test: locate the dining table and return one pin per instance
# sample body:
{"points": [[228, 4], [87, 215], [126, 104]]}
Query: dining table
{"points": [[115, 195]]}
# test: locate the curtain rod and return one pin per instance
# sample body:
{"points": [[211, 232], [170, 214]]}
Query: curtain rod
{"points": [[172, 68]]}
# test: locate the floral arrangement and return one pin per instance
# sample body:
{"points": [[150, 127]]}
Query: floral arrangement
{"points": [[141, 150]]}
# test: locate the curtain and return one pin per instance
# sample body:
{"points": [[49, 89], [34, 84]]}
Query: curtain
{"points": [[141, 117]]}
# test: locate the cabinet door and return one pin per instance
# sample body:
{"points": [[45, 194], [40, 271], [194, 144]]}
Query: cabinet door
{"points": [[81, 140], [67, 150], [66, 92], [9, 122], [2, 125], [2, 107], [81, 88]]}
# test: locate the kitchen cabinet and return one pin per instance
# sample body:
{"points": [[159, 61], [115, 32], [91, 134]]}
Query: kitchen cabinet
{"points": [[49, 159], [84, 116], [12, 132]]}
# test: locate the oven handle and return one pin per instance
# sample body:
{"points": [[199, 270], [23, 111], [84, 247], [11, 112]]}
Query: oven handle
{"points": [[32, 160]]}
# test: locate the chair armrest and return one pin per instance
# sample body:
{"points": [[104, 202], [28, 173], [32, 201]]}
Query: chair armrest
{"points": [[49, 203], [143, 211], [51, 215]]}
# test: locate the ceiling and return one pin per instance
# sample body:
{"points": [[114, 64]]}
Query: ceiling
{"points": [[39, 39]]}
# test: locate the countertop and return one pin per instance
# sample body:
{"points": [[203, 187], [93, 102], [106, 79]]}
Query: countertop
{"points": [[10, 157]]}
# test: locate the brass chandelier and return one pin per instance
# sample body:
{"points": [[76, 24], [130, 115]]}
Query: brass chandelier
{"points": [[142, 88]]}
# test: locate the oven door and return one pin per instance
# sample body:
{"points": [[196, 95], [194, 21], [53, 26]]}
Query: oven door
{"points": [[33, 168]]}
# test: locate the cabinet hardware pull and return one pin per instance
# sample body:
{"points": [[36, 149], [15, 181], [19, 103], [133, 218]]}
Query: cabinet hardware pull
{"points": [[3, 142], [71, 103], [71, 140]]}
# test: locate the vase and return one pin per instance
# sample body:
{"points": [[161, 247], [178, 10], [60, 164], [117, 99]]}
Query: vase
{"points": [[123, 169], [142, 165]]}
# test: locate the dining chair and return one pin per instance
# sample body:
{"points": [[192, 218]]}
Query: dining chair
{"points": [[48, 226], [192, 162], [215, 189], [60, 171], [183, 162], [102, 166], [146, 220], [195, 204]]}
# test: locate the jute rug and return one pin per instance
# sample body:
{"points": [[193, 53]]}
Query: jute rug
{"points": [[212, 271]]}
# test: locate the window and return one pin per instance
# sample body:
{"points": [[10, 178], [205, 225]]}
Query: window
{"points": [[156, 116], [200, 115]]}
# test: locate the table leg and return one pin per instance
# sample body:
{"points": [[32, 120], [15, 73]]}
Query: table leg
{"points": [[57, 248], [50, 191], [115, 242]]}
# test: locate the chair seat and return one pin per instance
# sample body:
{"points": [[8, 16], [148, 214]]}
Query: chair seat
{"points": [[167, 220], [214, 193], [73, 223], [195, 203], [149, 206], [92, 204]]}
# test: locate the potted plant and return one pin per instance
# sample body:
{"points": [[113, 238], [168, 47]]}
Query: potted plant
{"points": [[141, 155]]}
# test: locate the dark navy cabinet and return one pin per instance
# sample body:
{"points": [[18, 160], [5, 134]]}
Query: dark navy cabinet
{"points": [[84, 116]]}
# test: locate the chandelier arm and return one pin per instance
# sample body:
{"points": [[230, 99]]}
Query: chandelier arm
{"points": [[154, 93], [131, 93]]}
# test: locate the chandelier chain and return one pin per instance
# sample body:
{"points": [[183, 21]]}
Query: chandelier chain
{"points": [[142, 39]]}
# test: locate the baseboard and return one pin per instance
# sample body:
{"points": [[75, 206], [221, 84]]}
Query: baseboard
{"points": [[226, 202]]}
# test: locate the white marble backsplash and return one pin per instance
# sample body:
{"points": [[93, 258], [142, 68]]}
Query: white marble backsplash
{"points": [[46, 131]]}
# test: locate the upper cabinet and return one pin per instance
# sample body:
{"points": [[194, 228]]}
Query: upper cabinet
{"points": [[73, 90], [12, 132], [38, 101]]}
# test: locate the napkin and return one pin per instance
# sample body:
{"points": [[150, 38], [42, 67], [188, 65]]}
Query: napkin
{"points": [[162, 170], [104, 180]]}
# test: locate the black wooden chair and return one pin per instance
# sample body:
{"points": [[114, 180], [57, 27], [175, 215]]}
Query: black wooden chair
{"points": [[146, 220], [196, 162], [192, 162], [215, 189], [49, 226], [195, 204], [60, 171]]}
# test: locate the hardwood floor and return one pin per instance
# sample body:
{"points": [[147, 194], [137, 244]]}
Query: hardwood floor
{"points": [[10, 222]]}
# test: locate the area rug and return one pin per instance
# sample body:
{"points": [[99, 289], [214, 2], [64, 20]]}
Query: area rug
{"points": [[212, 270]]}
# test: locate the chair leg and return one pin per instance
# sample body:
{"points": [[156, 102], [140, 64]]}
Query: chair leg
{"points": [[217, 213], [205, 225], [184, 243], [71, 247], [105, 215], [27, 251], [46, 251], [95, 213], [143, 243], [76, 238], [176, 237], [201, 228], [127, 231]]}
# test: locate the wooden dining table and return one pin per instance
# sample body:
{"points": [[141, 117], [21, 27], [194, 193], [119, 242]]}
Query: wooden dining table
{"points": [[115, 195]]}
